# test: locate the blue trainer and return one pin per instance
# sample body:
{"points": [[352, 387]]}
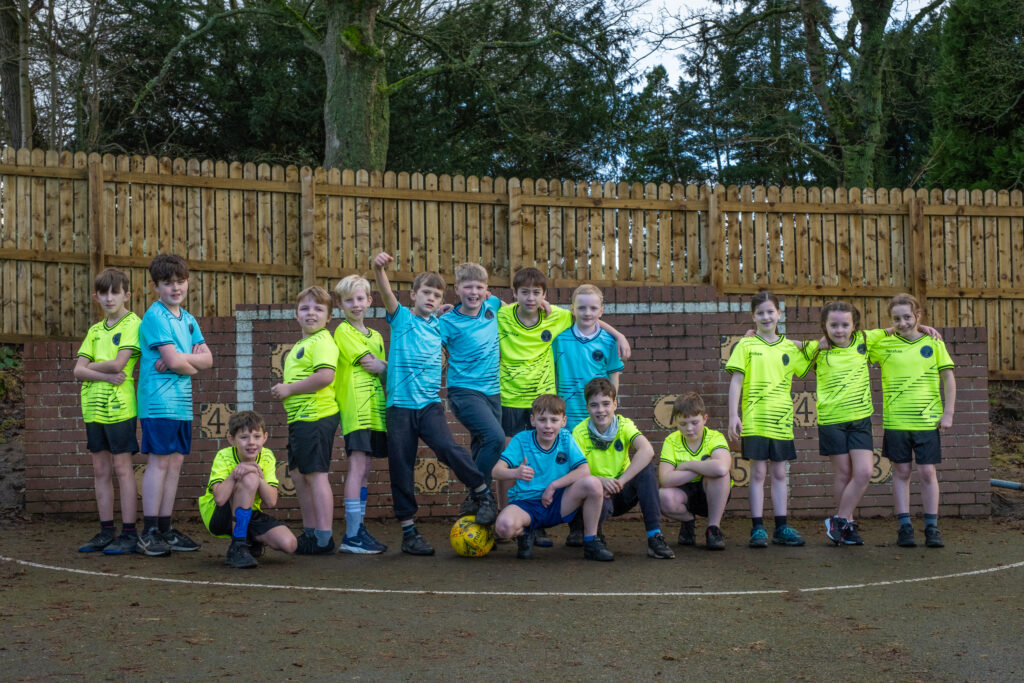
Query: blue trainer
{"points": [[786, 535], [758, 537]]}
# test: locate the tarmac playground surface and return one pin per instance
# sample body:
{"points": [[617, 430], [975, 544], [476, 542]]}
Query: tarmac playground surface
{"points": [[820, 612]]}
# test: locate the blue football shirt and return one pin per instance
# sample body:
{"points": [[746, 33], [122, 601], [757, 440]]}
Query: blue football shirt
{"points": [[579, 360], [473, 349], [414, 360], [165, 395], [548, 465]]}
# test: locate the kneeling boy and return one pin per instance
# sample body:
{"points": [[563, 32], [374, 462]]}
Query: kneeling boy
{"points": [[606, 439], [695, 472], [552, 479], [242, 480]]}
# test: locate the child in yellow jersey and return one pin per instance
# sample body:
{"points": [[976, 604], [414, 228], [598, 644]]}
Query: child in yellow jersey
{"points": [[762, 369], [695, 472], [243, 481], [360, 396], [915, 409], [309, 400], [106, 360]]}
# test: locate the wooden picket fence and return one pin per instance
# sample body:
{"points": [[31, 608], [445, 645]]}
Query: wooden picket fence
{"points": [[259, 233]]}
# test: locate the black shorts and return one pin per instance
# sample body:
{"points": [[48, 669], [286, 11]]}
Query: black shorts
{"points": [[899, 444], [117, 437], [310, 444], [696, 498], [763, 448], [841, 438], [369, 441], [222, 522], [515, 420]]}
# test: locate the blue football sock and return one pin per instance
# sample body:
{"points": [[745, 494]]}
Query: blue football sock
{"points": [[408, 527], [363, 495], [242, 517], [353, 517], [588, 539], [931, 520], [653, 532], [323, 536], [903, 518]]}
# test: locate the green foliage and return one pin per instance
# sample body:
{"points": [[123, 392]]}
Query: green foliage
{"points": [[10, 373]]}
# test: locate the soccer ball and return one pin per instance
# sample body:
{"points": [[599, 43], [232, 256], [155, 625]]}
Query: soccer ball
{"points": [[470, 539]]}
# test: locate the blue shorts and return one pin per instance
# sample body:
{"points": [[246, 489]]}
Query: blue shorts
{"points": [[543, 517], [163, 436]]}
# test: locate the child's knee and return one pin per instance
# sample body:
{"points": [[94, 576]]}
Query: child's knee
{"points": [[506, 526], [928, 474]]}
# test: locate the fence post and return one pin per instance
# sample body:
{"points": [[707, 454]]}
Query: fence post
{"points": [[97, 260], [716, 241], [515, 226], [307, 231], [918, 256]]}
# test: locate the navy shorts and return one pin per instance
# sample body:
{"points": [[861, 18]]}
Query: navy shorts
{"points": [[162, 436], [515, 420], [542, 517], [763, 448], [222, 522], [369, 441], [841, 438], [900, 444], [310, 444], [116, 437]]}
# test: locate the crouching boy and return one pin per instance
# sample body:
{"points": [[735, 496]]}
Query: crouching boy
{"points": [[243, 479], [694, 472], [553, 482]]}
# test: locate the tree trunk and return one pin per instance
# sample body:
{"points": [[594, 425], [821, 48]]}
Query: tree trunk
{"points": [[10, 89], [356, 114]]}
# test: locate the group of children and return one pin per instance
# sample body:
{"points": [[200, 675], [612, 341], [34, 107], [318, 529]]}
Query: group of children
{"points": [[535, 385]]}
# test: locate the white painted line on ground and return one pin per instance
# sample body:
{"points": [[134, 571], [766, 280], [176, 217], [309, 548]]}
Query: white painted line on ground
{"points": [[567, 594]]}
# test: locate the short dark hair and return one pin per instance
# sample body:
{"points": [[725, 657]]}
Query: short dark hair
{"points": [[548, 403], [763, 296], [687, 405], [111, 280], [529, 277], [429, 278], [599, 386], [318, 294], [166, 266], [246, 419]]}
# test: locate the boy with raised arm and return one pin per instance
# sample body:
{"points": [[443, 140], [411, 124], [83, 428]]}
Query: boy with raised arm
{"points": [[414, 405], [553, 482], [172, 351]]}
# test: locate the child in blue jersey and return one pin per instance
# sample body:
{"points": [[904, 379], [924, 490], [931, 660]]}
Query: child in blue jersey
{"points": [[553, 481], [106, 362], [583, 352], [414, 409], [470, 334], [172, 350]]}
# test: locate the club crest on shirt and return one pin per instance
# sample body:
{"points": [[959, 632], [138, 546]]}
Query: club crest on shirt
{"points": [[562, 457], [785, 359], [191, 328], [927, 351], [116, 339], [545, 335], [862, 349], [300, 352], [598, 355], [618, 444], [489, 315]]}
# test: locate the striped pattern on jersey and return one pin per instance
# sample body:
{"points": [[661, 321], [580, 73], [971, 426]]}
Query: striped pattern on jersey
{"points": [[548, 465], [911, 387], [165, 395], [579, 360], [612, 461], [473, 348], [768, 370], [414, 371], [310, 354], [103, 402], [844, 385], [675, 449], [224, 463], [527, 364], [360, 394]]}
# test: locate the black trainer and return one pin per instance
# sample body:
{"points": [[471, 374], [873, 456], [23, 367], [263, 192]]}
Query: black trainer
{"points": [[239, 556], [414, 544], [932, 537], [541, 538], [834, 529], [307, 545], [524, 546], [686, 533], [658, 548], [575, 537], [97, 542], [849, 534], [152, 544], [486, 507], [905, 536], [179, 542], [468, 506], [122, 545], [714, 538], [596, 550], [256, 548]]}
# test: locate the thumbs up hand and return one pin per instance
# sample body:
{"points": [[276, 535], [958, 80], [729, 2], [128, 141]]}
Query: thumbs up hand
{"points": [[525, 471]]}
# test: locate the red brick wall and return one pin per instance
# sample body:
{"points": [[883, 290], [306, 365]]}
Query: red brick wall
{"points": [[672, 352]]}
